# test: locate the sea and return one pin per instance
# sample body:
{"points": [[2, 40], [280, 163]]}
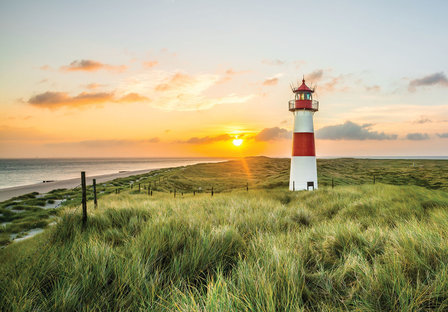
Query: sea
{"points": [[20, 172]]}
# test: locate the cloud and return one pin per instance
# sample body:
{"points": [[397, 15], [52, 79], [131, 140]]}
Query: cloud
{"points": [[270, 82], [132, 97], [93, 86], [104, 143], [422, 120], [374, 88], [333, 84], [207, 139], [430, 80], [230, 74], [299, 63], [178, 80], [275, 62], [276, 133], [417, 136], [443, 135], [45, 67], [326, 83], [181, 91], [91, 66], [54, 100], [149, 64], [315, 75], [352, 131]]}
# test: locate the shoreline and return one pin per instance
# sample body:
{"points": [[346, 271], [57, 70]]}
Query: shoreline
{"points": [[14, 191]]}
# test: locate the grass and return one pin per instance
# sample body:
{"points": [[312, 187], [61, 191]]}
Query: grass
{"points": [[355, 247]]}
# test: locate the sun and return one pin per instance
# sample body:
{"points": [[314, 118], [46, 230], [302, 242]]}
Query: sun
{"points": [[237, 142]]}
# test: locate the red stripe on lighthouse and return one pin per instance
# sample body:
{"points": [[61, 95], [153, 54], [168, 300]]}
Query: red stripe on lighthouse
{"points": [[303, 144]]}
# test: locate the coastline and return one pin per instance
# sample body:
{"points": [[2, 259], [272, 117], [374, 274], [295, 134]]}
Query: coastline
{"points": [[10, 192]]}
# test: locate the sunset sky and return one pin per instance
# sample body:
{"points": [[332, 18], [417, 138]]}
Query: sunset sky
{"points": [[184, 78]]}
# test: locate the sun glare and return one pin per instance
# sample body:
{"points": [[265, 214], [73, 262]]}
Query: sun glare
{"points": [[237, 142]]}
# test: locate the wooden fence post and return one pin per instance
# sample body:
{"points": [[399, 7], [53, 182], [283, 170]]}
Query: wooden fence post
{"points": [[194, 193], [247, 187], [332, 183], [139, 187], [95, 201], [174, 192], [373, 179], [84, 198], [212, 190], [293, 185]]}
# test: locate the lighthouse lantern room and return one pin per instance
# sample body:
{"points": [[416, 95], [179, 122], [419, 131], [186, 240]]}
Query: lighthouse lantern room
{"points": [[303, 175]]}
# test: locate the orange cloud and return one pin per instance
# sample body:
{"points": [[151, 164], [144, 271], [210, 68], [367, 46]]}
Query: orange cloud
{"points": [[54, 100], [174, 82], [229, 74], [181, 91], [45, 67], [149, 64], [92, 86], [132, 97], [91, 66], [207, 139], [331, 84], [270, 82]]}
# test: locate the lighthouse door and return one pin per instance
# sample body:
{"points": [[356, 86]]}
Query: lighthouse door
{"points": [[308, 185]]}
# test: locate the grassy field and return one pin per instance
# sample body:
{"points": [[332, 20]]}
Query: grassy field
{"points": [[358, 246], [22, 214]]}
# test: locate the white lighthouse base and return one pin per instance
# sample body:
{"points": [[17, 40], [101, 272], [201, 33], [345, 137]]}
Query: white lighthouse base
{"points": [[303, 174]]}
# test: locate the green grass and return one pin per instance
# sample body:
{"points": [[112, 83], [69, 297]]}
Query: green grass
{"points": [[355, 247]]}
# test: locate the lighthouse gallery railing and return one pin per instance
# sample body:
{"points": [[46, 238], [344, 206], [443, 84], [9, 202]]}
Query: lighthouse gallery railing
{"points": [[311, 105]]}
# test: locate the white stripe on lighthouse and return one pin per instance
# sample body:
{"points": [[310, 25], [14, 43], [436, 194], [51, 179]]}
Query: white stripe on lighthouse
{"points": [[303, 170], [303, 121]]}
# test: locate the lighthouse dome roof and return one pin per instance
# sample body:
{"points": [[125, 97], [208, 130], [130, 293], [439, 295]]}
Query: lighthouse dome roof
{"points": [[303, 87]]}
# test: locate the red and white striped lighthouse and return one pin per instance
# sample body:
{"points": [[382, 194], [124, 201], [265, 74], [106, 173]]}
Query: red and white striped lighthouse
{"points": [[303, 174]]}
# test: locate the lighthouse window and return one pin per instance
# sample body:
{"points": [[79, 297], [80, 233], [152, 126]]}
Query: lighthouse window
{"points": [[308, 96]]}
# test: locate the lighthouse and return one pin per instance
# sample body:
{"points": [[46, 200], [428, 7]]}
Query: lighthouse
{"points": [[303, 175]]}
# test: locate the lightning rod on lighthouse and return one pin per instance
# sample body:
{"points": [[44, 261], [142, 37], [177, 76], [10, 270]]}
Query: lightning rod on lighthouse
{"points": [[303, 175]]}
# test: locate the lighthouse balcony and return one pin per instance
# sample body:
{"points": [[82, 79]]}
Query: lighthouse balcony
{"points": [[303, 104]]}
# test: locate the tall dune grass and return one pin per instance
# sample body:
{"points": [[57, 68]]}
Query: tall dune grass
{"points": [[365, 248]]}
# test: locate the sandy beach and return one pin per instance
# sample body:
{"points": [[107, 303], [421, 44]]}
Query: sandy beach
{"points": [[7, 193]]}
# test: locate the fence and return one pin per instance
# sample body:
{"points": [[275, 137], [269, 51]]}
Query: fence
{"points": [[152, 185]]}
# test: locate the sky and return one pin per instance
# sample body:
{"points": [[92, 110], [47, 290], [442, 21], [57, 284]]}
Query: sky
{"points": [[185, 78]]}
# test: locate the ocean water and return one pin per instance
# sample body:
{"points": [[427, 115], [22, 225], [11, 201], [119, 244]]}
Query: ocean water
{"points": [[18, 172]]}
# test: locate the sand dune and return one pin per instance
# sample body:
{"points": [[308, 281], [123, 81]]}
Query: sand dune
{"points": [[10, 192]]}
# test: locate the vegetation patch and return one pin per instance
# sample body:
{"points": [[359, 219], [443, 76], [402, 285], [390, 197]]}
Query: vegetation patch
{"points": [[357, 246]]}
